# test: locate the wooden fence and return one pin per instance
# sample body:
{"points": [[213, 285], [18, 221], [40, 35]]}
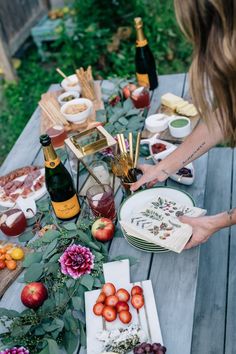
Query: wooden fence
{"points": [[16, 19]]}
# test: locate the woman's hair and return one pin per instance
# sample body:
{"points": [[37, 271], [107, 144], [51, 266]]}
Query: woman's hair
{"points": [[211, 26]]}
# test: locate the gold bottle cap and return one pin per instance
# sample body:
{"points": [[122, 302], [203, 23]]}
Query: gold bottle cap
{"points": [[138, 22]]}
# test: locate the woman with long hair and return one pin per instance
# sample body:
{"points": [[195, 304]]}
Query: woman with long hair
{"points": [[211, 27]]}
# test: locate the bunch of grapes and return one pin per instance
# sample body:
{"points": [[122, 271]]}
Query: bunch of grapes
{"points": [[155, 348]]}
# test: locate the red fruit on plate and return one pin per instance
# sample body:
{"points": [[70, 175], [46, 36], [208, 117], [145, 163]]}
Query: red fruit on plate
{"points": [[125, 316], [103, 229], [123, 295], [109, 289], [122, 306], [128, 89], [137, 301], [111, 300], [33, 295], [101, 298], [136, 290], [98, 308], [109, 313]]}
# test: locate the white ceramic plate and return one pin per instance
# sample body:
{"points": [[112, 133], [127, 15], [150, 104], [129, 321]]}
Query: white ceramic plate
{"points": [[35, 195], [134, 201]]}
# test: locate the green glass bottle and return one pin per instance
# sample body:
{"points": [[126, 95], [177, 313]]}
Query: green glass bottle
{"points": [[59, 183], [144, 60]]}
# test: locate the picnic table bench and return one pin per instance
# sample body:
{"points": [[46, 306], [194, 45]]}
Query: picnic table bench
{"points": [[195, 291]]}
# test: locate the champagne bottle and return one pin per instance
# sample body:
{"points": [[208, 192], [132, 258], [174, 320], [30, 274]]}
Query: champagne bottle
{"points": [[144, 60], [59, 183]]}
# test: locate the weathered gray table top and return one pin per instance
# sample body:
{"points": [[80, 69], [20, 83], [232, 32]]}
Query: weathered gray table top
{"points": [[196, 290]]}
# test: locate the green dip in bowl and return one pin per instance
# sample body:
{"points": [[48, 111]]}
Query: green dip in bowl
{"points": [[179, 123]]}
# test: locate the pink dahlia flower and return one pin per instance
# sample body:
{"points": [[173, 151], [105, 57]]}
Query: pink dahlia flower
{"points": [[76, 261], [19, 350]]}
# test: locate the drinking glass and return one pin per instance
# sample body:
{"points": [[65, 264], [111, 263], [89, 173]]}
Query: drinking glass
{"points": [[101, 201], [140, 97], [12, 221], [100, 170]]}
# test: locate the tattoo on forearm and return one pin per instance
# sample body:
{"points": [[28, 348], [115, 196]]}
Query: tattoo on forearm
{"points": [[230, 214], [194, 153]]}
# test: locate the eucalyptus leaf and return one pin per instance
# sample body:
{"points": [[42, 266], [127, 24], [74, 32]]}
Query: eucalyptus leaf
{"points": [[52, 346], [70, 323], [55, 257], [31, 258], [128, 105], [97, 283], [70, 226], [52, 268], [56, 324], [70, 283], [34, 272], [45, 350], [78, 303], [39, 331], [82, 335], [70, 342], [27, 236], [20, 331], [50, 235], [49, 250], [8, 313], [43, 205], [87, 281], [99, 256], [48, 306], [123, 121], [132, 112]]}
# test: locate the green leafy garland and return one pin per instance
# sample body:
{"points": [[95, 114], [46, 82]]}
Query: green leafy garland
{"points": [[60, 321]]}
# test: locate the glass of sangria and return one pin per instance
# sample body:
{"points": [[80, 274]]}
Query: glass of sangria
{"points": [[12, 222], [140, 97], [101, 201]]}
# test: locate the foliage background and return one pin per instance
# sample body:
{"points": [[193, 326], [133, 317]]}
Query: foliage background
{"points": [[97, 21]]}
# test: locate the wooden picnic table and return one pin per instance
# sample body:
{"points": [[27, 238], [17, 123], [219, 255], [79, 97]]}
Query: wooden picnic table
{"points": [[195, 291]]}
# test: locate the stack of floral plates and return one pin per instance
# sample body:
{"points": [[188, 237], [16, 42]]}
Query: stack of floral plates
{"points": [[140, 198]]}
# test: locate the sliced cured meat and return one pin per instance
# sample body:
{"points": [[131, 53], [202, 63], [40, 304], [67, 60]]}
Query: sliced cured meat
{"points": [[28, 182], [26, 192], [11, 187], [41, 179], [16, 173], [14, 196], [38, 185]]}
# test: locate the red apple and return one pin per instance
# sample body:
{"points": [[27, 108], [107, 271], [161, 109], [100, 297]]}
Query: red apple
{"points": [[33, 295], [103, 229], [128, 89]]}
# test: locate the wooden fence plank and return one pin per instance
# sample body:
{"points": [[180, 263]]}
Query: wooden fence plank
{"points": [[209, 318], [230, 337]]}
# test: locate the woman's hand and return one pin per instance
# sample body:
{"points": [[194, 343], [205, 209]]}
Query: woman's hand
{"points": [[151, 175], [203, 228]]}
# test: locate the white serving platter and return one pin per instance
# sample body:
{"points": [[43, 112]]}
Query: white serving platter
{"points": [[119, 274], [35, 195]]}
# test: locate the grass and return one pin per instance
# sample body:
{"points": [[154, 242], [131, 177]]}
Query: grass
{"points": [[89, 47]]}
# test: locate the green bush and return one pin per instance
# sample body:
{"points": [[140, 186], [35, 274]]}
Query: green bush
{"points": [[96, 23]]}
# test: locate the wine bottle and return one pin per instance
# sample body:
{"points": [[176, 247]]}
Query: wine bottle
{"points": [[144, 60], [59, 183]]}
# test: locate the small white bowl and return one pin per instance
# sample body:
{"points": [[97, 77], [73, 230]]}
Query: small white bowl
{"points": [[71, 83], [77, 117], [60, 98], [156, 123], [180, 131]]}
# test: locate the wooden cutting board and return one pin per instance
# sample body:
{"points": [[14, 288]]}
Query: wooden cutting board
{"points": [[7, 277]]}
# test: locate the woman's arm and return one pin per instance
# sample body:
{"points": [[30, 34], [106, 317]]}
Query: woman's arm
{"points": [[205, 226], [197, 143]]}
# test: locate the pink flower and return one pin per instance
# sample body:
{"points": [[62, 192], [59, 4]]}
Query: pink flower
{"points": [[19, 350], [76, 261]]}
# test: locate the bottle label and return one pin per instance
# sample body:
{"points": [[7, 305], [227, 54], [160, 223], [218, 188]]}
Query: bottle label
{"points": [[67, 209], [141, 43], [52, 163], [143, 80]]}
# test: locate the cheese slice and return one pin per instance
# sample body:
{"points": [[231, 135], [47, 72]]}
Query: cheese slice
{"points": [[182, 104], [171, 100], [189, 110]]}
